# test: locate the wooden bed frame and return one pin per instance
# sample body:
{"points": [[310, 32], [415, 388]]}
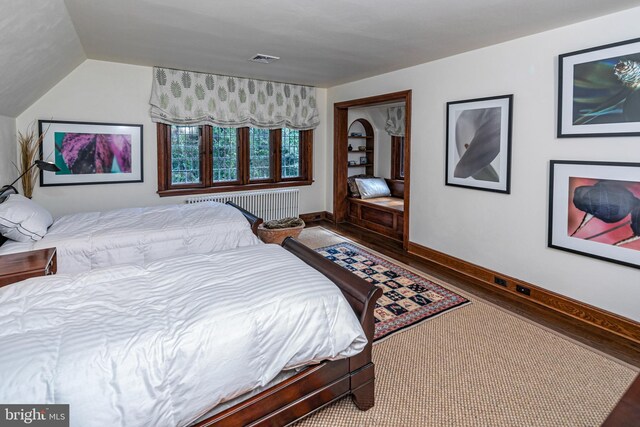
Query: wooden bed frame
{"points": [[317, 385], [253, 220]]}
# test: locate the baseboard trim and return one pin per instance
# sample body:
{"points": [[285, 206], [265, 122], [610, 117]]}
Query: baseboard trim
{"points": [[313, 216], [580, 311], [316, 216]]}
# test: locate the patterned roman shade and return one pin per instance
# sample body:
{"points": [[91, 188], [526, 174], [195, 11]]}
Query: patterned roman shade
{"points": [[190, 98], [395, 121]]}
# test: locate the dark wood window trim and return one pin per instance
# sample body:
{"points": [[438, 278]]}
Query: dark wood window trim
{"points": [[306, 155], [247, 159], [396, 158], [208, 131], [166, 188]]}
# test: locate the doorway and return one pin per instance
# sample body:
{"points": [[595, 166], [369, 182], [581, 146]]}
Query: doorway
{"points": [[342, 203]]}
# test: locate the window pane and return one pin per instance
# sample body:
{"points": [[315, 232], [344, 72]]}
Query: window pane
{"points": [[290, 153], [225, 154], [259, 154], [185, 155]]}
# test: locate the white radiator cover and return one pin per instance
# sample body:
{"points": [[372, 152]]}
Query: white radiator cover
{"points": [[268, 204]]}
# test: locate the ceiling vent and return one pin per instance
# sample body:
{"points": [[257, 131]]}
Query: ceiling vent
{"points": [[264, 59]]}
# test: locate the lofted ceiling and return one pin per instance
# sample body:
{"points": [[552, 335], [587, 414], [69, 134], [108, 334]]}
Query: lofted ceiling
{"points": [[321, 43], [38, 47]]}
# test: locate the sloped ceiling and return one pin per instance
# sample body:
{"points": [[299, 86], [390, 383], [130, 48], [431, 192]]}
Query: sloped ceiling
{"points": [[38, 47], [321, 43]]}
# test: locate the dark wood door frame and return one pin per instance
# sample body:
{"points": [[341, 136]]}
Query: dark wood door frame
{"points": [[340, 156]]}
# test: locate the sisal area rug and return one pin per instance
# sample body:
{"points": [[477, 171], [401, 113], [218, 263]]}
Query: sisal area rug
{"points": [[479, 366], [407, 299]]}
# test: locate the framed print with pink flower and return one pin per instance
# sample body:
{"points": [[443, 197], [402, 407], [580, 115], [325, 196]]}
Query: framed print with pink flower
{"points": [[91, 153]]}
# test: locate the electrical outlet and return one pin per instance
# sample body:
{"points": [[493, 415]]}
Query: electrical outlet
{"points": [[523, 290], [499, 281]]}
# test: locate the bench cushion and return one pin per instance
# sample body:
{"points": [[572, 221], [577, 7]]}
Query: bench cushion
{"points": [[370, 188]]}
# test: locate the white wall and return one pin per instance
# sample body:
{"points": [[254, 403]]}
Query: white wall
{"points": [[8, 150], [118, 93], [507, 233]]}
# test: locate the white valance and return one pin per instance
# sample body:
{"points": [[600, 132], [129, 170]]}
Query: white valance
{"points": [[395, 121], [189, 98]]}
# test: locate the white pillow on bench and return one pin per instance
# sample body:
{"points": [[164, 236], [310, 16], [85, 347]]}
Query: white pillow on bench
{"points": [[372, 187]]}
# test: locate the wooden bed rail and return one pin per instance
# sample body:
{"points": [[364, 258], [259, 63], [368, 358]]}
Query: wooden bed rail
{"points": [[359, 293], [362, 297], [253, 220]]}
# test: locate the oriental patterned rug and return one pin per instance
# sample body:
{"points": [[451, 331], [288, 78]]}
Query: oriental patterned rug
{"points": [[408, 298]]}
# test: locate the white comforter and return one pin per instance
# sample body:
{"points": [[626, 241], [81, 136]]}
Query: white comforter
{"points": [[160, 345], [85, 241]]}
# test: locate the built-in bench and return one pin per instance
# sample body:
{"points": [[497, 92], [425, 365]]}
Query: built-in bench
{"points": [[384, 215]]}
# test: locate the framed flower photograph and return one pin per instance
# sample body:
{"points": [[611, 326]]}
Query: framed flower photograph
{"points": [[91, 153], [598, 91], [594, 210], [479, 143]]}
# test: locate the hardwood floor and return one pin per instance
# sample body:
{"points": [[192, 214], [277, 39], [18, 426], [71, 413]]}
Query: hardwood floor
{"points": [[617, 347], [627, 412]]}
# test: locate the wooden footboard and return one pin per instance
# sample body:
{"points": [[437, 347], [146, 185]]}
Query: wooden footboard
{"points": [[253, 220], [321, 384], [360, 294]]}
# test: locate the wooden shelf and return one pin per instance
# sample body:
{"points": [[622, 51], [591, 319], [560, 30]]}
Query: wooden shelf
{"points": [[366, 141]]}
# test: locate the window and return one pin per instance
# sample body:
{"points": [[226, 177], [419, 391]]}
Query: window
{"points": [[290, 153], [397, 157], [204, 159], [185, 155], [225, 154], [259, 154]]}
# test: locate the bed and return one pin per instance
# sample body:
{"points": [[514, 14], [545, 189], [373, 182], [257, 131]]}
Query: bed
{"points": [[133, 345], [85, 241]]}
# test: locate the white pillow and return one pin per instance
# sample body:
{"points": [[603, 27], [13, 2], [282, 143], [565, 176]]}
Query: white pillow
{"points": [[23, 220], [372, 187]]}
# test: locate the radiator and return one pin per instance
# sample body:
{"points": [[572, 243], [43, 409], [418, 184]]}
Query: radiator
{"points": [[268, 205]]}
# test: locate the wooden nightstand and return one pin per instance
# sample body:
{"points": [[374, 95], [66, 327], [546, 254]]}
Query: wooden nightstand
{"points": [[23, 265]]}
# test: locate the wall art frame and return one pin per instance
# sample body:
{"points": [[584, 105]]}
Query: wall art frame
{"points": [[478, 143], [594, 210], [598, 92], [91, 152]]}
